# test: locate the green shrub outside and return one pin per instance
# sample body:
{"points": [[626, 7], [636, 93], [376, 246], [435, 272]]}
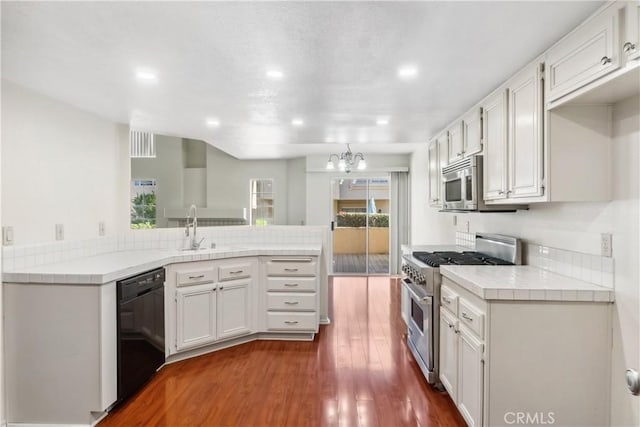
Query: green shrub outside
{"points": [[360, 220]]}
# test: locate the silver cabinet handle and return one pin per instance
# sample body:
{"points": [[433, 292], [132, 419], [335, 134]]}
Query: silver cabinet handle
{"points": [[291, 302], [509, 191], [459, 154], [447, 300], [501, 192], [291, 322], [291, 285], [605, 60], [291, 270], [629, 47], [236, 272], [451, 326], [435, 200], [466, 317], [197, 277]]}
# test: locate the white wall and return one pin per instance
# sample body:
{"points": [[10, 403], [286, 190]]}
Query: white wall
{"points": [[228, 182], [60, 165], [296, 191], [577, 227], [427, 225], [2, 388], [625, 218]]}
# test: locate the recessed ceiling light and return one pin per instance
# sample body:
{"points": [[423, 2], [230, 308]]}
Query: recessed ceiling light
{"points": [[382, 121], [213, 123], [297, 122], [275, 74], [407, 71], [146, 76]]}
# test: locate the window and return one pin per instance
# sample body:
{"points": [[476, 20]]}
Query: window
{"points": [[261, 201], [143, 203]]}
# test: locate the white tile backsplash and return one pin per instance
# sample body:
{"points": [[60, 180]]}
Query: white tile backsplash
{"points": [[589, 268], [18, 257], [467, 240]]}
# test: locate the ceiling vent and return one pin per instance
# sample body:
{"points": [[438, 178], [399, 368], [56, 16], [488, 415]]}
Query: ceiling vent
{"points": [[141, 144]]}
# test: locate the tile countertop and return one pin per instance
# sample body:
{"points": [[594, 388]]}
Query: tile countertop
{"points": [[523, 283], [105, 268]]}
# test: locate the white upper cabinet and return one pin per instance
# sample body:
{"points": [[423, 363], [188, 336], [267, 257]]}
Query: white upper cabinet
{"points": [[631, 42], [525, 133], [513, 139], [437, 159], [456, 142], [472, 132], [589, 52], [495, 146]]}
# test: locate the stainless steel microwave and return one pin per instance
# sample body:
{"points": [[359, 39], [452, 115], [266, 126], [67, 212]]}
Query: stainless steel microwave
{"points": [[462, 188]]}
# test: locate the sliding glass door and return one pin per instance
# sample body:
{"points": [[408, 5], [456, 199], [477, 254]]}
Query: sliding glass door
{"points": [[360, 225]]}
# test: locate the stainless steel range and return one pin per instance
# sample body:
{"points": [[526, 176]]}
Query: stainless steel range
{"points": [[422, 279]]}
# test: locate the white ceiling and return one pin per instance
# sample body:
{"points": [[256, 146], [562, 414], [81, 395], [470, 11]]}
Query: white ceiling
{"points": [[339, 59]]}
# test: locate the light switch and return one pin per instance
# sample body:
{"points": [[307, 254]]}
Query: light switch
{"points": [[101, 228], [59, 232], [7, 236]]}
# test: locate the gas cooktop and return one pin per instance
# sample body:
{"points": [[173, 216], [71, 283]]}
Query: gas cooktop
{"points": [[438, 258]]}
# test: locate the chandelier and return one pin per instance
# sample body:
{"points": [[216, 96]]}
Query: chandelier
{"points": [[346, 161]]}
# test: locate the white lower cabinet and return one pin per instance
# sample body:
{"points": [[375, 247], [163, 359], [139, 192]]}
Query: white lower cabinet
{"points": [[234, 302], [462, 353], [209, 301], [291, 302], [196, 316], [449, 353], [470, 378], [537, 360]]}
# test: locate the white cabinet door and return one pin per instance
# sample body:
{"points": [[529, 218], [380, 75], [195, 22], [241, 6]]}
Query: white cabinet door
{"points": [[631, 43], [586, 54], [470, 377], [196, 315], [449, 353], [525, 133], [494, 131], [434, 174], [472, 124], [234, 308], [456, 142]]}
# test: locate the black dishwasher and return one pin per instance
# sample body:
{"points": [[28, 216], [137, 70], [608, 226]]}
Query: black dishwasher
{"points": [[140, 330]]}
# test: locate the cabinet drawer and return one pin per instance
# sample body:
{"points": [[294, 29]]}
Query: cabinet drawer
{"points": [[472, 317], [235, 271], [304, 284], [291, 302], [291, 267], [194, 277], [291, 321], [449, 299]]}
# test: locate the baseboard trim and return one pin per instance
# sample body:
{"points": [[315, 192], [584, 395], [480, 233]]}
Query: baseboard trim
{"points": [[45, 425], [268, 336], [325, 320]]}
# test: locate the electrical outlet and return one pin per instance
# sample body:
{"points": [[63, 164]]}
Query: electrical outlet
{"points": [[59, 232], [7, 236], [467, 226], [606, 244], [101, 228]]}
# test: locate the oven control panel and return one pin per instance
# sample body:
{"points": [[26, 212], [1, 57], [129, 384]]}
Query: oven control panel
{"points": [[413, 273]]}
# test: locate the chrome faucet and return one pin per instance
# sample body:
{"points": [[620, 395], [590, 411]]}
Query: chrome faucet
{"points": [[192, 222]]}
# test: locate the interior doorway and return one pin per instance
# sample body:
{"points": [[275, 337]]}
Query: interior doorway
{"points": [[360, 225]]}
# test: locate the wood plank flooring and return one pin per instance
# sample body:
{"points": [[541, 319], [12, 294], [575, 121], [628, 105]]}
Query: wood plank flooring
{"points": [[353, 263], [357, 372]]}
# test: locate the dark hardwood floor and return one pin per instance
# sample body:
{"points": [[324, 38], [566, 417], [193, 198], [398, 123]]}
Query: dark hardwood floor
{"points": [[357, 372]]}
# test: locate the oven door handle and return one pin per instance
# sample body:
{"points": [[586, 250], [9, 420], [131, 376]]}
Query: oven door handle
{"points": [[427, 300]]}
